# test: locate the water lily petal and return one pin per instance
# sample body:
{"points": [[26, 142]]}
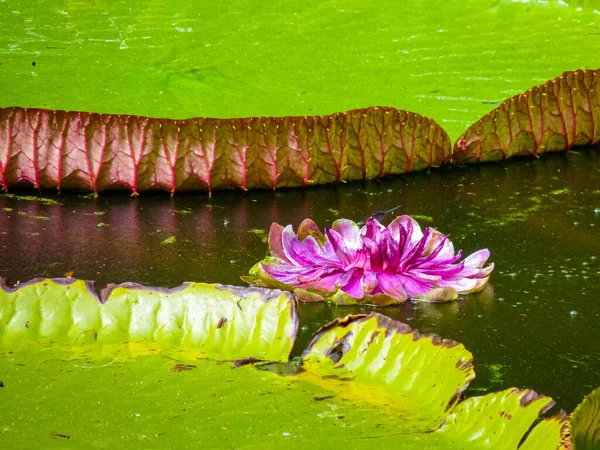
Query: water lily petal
{"points": [[288, 238], [415, 250], [460, 284], [481, 282], [319, 278], [276, 242], [445, 271], [309, 228], [351, 285], [477, 259], [412, 227], [416, 285], [314, 253], [368, 282], [376, 264], [326, 283], [349, 231], [346, 255], [392, 285], [372, 229], [375, 261], [390, 251]]}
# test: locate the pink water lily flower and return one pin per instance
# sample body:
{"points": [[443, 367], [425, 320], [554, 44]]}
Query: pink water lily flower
{"points": [[373, 264]]}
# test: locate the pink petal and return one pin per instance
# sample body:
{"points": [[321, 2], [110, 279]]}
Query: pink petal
{"points": [[390, 251], [309, 228], [275, 241], [375, 258], [368, 281], [312, 253], [349, 231], [414, 286], [288, 237], [477, 259], [372, 229], [408, 224], [460, 284], [392, 286], [345, 254], [351, 285]]}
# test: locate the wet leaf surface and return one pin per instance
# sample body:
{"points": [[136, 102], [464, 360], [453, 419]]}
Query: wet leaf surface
{"points": [[202, 320], [560, 114], [585, 423], [386, 363], [135, 403], [77, 150]]}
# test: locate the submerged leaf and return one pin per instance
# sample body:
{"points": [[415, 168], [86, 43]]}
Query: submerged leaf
{"points": [[211, 320], [169, 240], [556, 116], [79, 150]]}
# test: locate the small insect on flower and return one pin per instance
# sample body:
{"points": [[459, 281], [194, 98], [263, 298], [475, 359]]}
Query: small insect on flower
{"points": [[374, 264]]}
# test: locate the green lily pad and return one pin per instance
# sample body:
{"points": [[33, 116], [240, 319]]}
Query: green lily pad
{"points": [[497, 421], [556, 116], [209, 320], [585, 423], [446, 62], [388, 364], [552, 433], [159, 401]]}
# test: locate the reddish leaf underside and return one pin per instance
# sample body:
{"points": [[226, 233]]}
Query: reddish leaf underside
{"points": [[77, 150], [558, 115]]}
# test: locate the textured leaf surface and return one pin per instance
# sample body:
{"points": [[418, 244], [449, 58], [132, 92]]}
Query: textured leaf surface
{"points": [[552, 433], [496, 421], [558, 115], [76, 150], [212, 321], [162, 403], [388, 364], [449, 61], [585, 423]]}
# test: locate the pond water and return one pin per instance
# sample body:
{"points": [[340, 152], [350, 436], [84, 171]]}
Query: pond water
{"points": [[535, 325]]}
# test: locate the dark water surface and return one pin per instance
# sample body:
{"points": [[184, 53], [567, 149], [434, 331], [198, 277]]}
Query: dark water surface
{"points": [[536, 325]]}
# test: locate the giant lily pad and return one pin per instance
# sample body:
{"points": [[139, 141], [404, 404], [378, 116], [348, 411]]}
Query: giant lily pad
{"points": [[446, 63], [585, 423], [496, 421], [212, 321], [448, 60], [551, 433], [361, 399], [556, 116], [386, 363], [78, 150], [60, 149]]}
